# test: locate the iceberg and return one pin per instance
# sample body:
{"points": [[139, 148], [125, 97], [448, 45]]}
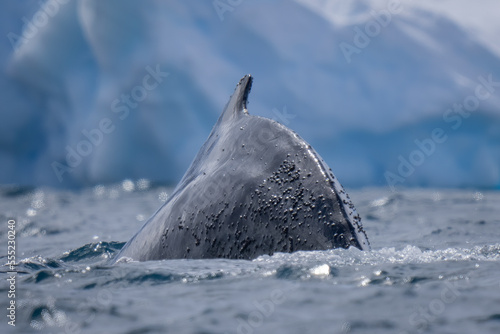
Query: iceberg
{"points": [[390, 93]]}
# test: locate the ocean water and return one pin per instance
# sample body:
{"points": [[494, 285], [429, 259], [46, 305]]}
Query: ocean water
{"points": [[434, 268]]}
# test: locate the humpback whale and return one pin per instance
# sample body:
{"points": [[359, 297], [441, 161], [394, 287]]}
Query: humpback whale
{"points": [[254, 188]]}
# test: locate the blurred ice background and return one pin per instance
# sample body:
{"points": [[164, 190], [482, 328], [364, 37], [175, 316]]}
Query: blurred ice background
{"points": [[388, 92]]}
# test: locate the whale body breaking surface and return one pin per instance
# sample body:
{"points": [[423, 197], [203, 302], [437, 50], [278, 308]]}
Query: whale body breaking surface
{"points": [[254, 188]]}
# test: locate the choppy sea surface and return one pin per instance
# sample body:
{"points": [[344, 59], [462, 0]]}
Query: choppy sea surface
{"points": [[434, 268]]}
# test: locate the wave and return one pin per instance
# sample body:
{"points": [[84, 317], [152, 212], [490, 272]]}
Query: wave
{"points": [[88, 264]]}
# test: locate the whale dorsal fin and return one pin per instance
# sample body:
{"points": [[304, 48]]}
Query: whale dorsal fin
{"points": [[237, 105]]}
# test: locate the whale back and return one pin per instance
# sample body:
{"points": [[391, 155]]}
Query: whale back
{"points": [[254, 188]]}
